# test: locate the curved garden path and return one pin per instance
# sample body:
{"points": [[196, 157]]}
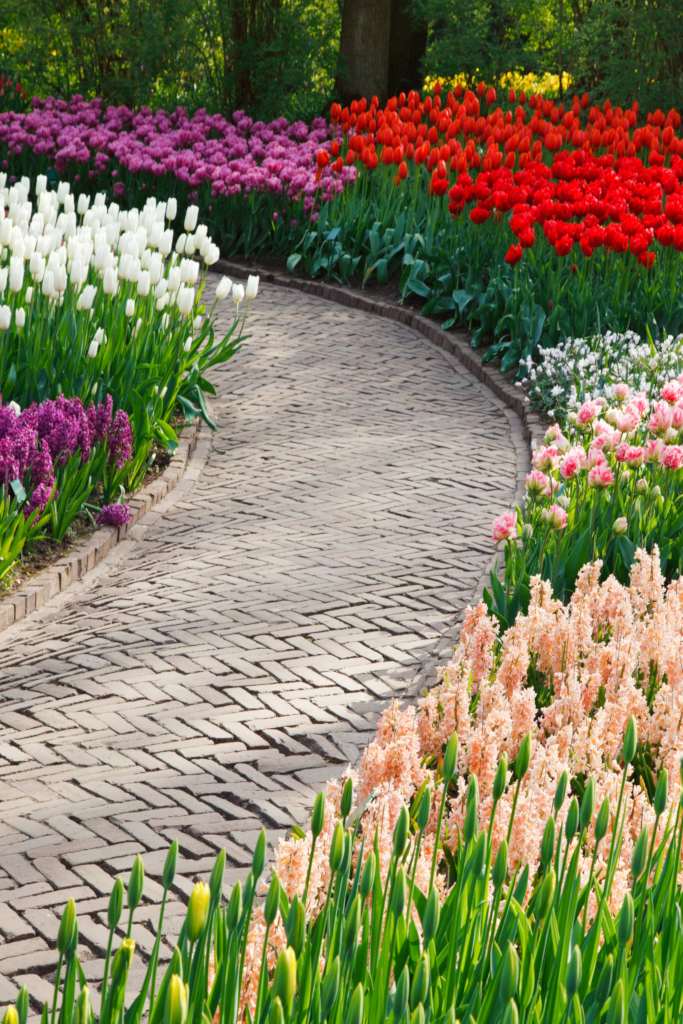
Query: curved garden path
{"points": [[234, 651]]}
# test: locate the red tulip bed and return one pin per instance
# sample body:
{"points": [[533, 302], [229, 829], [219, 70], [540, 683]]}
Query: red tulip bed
{"points": [[528, 220]]}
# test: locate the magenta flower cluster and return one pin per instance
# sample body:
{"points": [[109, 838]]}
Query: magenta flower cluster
{"points": [[229, 156], [36, 442]]}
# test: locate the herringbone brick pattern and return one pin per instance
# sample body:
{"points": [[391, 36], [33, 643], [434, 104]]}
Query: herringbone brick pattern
{"points": [[234, 652]]}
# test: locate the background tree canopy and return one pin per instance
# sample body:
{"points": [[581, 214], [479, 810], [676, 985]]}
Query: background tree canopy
{"points": [[290, 57]]}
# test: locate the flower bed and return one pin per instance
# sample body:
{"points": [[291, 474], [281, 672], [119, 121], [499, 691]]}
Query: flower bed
{"points": [[248, 176], [102, 310]]}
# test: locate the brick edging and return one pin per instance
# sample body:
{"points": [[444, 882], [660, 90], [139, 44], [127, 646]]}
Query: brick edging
{"points": [[91, 550], [455, 343]]}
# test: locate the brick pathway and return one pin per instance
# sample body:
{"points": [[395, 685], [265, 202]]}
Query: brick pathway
{"points": [[234, 652]]}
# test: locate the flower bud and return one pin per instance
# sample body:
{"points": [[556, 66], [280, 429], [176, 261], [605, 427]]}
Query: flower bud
{"points": [[430, 917], [346, 802], [216, 880], [500, 865], [115, 905], [572, 820], [625, 920], [620, 526], [234, 909], [20, 317], [509, 975], [198, 910], [574, 972], [136, 882], [421, 981], [398, 897], [661, 792], [401, 831], [602, 821], [337, 846], [295, 925], [67, 936], [523, 757], [11, 1016], [175, 1009], [511, 1015], [258, 860], [284, 981], [630, 745], [5, 317], [272, 903], [423, 808], [170, 866], [548, 843], [545, 895], [561, 791], [450, 758], [318, 815], [402, 994], [500, 779], [367, 878], [237, 294], [83, 1007]]}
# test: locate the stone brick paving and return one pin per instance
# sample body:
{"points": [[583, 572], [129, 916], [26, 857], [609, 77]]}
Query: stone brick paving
{"points": [[234, 652]]}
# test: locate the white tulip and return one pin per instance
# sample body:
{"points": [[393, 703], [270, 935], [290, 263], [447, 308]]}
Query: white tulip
{"points": [[87, 297], [180, 244], [3, 278], [251, 291], [238, 293], [5, 317], [110, 281], [188, 345], [130, 308], [14, 406], [92, 349], [60, 278], [191, 216], [144, 282], [16, 273], [173, 279], [185, 300], [48, 284], [163, 302], [212, 255], [171, 208], [37, 267], [83, 204], [223, 288], [28, 295], [41, 184], [166, 243], [20, 317], [189, 271]]}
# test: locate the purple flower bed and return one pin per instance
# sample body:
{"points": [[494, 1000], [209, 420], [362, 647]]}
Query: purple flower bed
{"points": [[55, 456], [200, 152]]}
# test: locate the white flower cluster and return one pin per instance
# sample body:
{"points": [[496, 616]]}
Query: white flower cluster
{"points": [[63, 243], [565, 376]]}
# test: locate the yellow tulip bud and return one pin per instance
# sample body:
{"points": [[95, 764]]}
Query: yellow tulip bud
{"points": [[175, 1009], [198, 910]]}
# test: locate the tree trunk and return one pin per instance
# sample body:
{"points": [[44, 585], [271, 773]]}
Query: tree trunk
{"points": [[364, 49], [407, 45]]}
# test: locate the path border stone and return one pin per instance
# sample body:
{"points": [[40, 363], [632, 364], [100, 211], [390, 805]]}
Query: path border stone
{"points": [[91, 550]]}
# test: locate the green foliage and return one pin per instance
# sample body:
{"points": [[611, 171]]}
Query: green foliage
{"points": [[273, 57], [495, 945]]}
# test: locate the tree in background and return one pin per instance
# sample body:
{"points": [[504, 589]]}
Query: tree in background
{"points": [[291, 57], [382, 47]]}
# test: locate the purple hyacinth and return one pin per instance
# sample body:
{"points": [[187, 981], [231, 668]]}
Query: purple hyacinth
{"points": [[120, 440], [114, 515]]}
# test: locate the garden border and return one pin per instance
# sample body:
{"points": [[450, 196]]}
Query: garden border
{"points": [[89, 552], [455, 343]]}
